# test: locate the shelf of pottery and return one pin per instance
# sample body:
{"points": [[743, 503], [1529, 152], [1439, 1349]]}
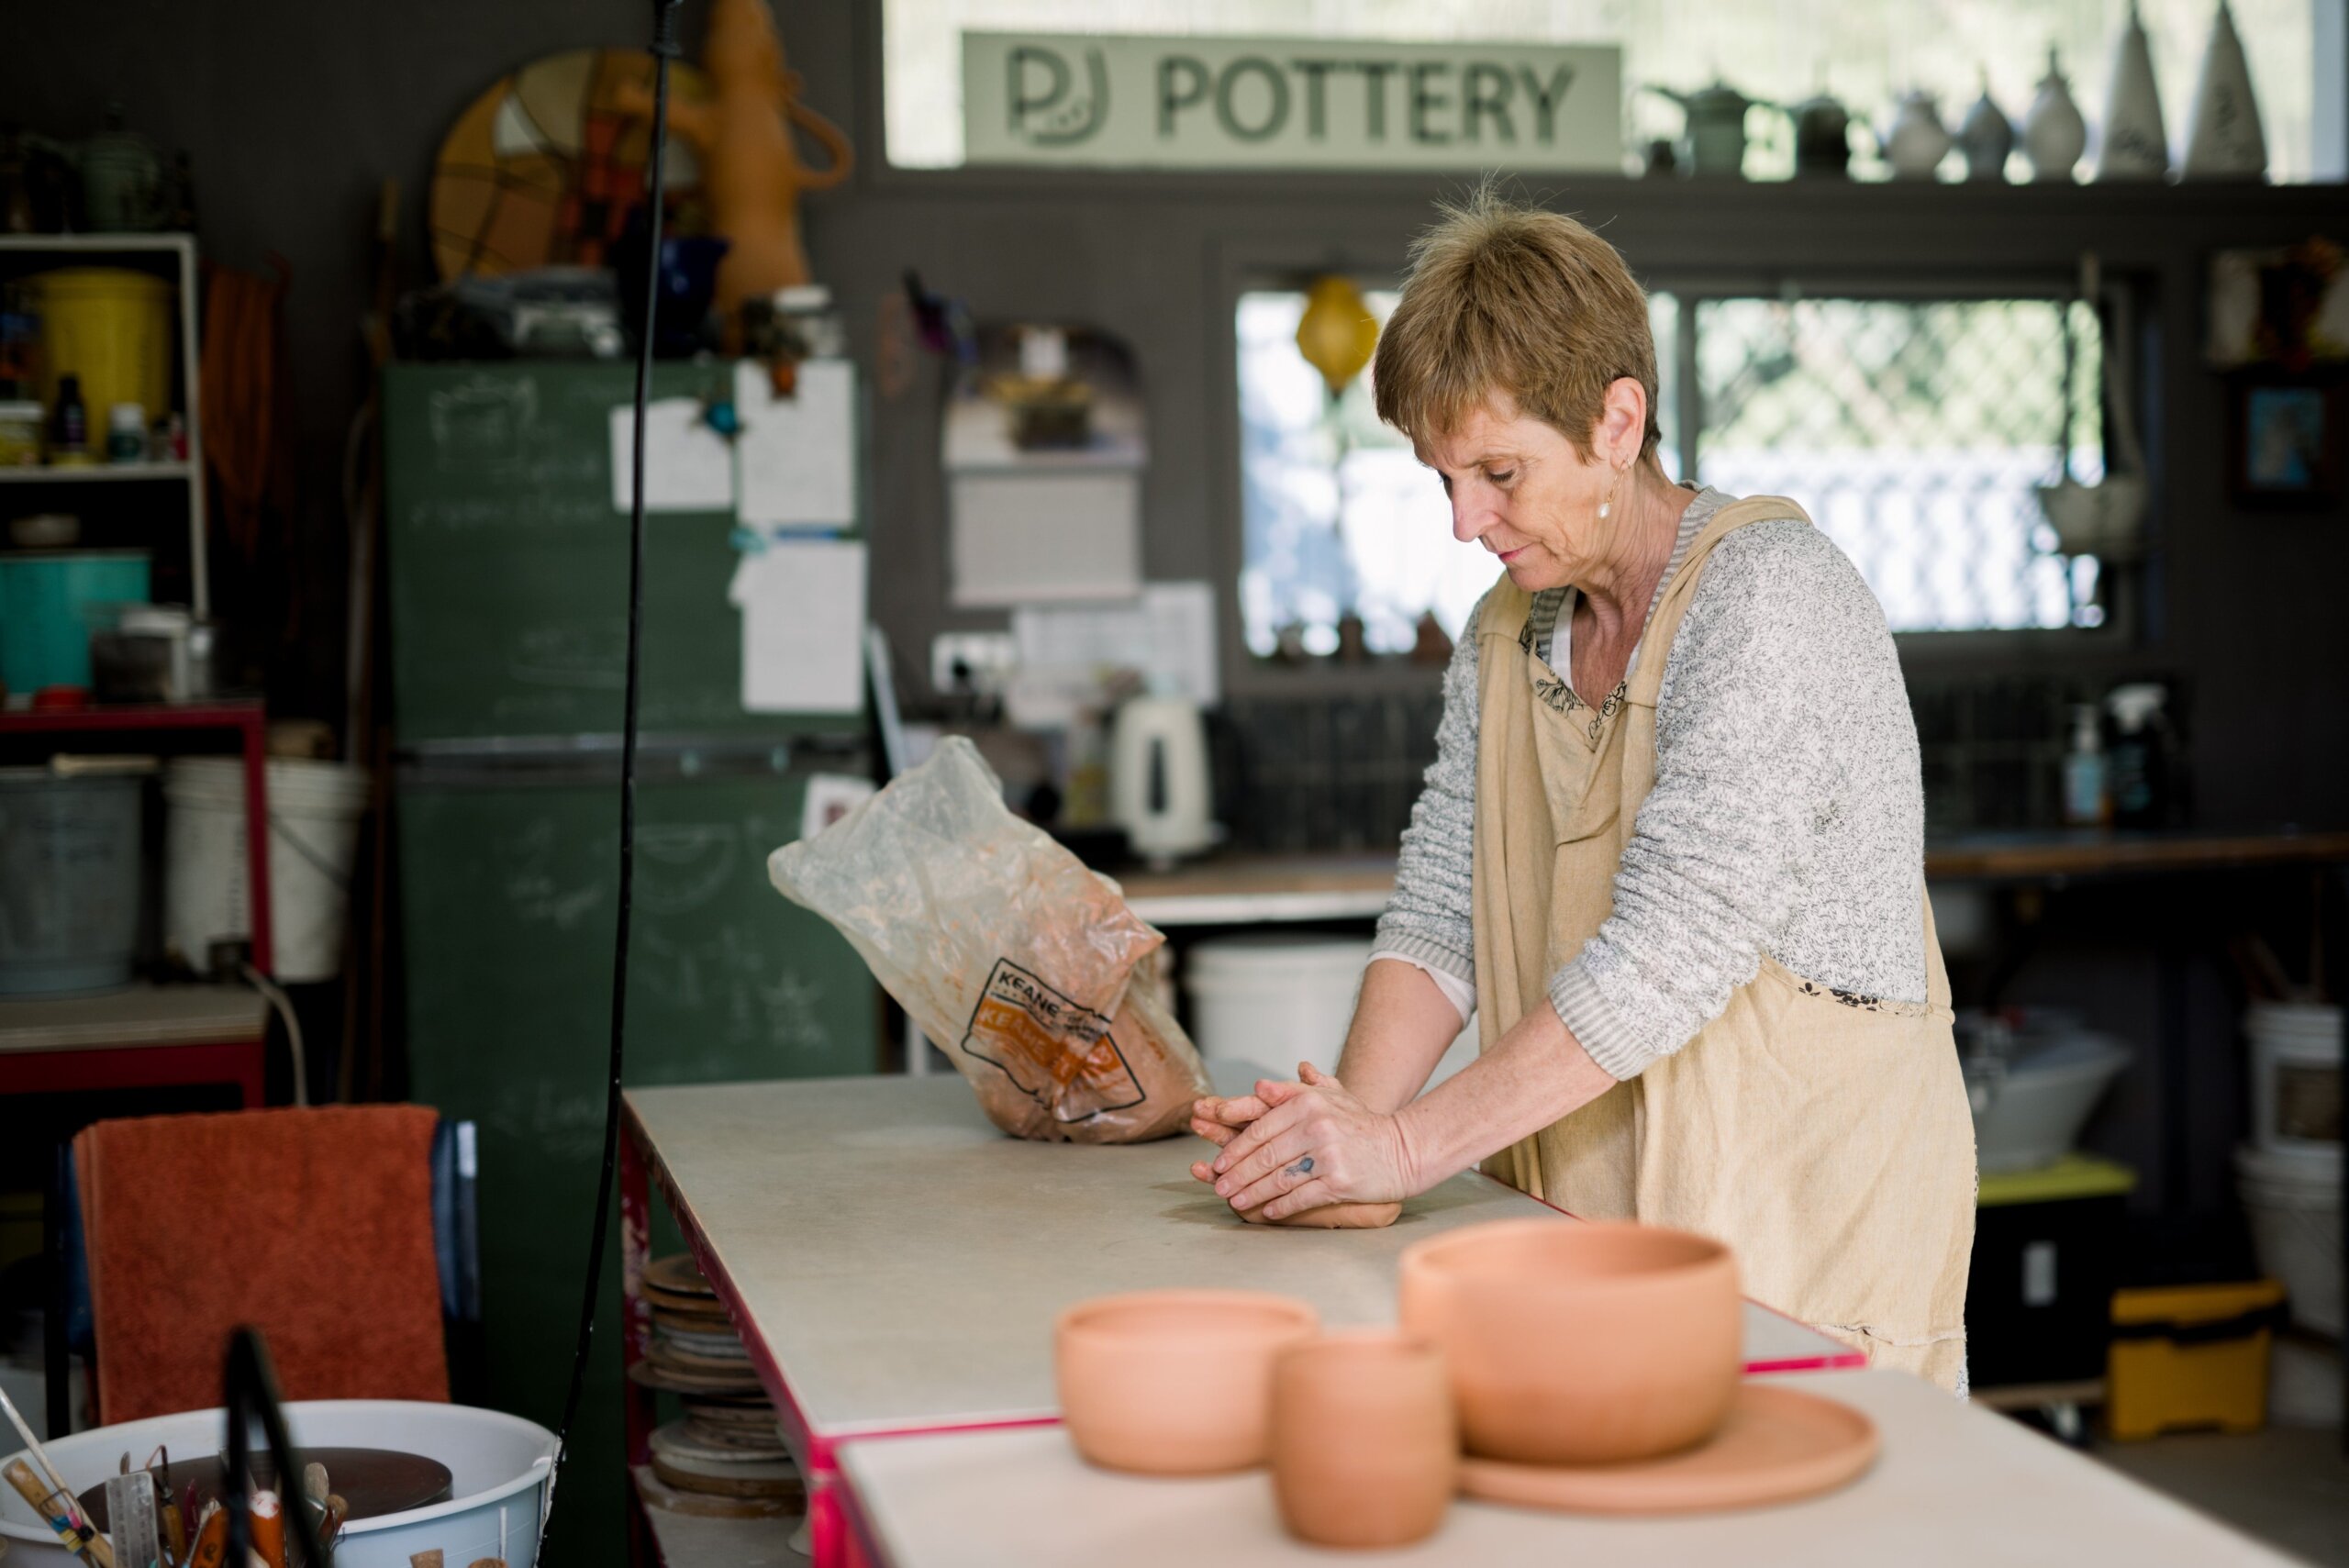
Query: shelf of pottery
{"points": [[724, 1457], [99, 385]]}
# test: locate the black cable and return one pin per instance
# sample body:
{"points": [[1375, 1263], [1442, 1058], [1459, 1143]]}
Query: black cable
{"points": [[665, 49]]}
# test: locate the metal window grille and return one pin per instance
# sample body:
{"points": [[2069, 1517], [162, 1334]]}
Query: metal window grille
{"points": [[1914, 431]]}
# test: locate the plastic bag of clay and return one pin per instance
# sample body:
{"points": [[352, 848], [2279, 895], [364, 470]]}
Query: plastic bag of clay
{"points": [[1013, 957]]}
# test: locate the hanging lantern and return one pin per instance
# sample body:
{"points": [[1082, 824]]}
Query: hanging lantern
{"points": [[1337, 333]]}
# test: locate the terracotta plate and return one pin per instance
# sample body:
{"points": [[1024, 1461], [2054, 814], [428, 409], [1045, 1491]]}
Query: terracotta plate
{"points": [[1777, 1445]]}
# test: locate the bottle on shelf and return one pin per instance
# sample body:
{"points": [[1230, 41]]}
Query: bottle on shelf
{"points": [[69, 426], [2140, 758], [127, 433], [2087, 803]]}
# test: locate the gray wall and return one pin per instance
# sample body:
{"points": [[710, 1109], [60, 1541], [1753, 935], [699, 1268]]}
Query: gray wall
{"points": [[294, 112]]}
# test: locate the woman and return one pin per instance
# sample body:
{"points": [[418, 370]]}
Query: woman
{"points": [[1670, 852]]}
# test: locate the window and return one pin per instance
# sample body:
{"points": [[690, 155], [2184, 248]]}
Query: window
{"points": [[1867, 52], [1913, 431]]}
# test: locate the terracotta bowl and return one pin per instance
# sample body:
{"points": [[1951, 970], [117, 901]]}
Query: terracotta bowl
{"points": [[1365, 1451], [1174, 1381], [1579, 1343]]}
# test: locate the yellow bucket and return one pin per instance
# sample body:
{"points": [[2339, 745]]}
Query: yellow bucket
{"points": [[112, 328]]}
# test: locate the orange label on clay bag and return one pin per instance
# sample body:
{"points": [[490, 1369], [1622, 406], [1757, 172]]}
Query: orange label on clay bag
{"points": [[1056, 1053]]}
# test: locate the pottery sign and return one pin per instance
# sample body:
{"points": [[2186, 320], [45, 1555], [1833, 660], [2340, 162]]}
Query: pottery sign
{"points": [[1238, 102]]}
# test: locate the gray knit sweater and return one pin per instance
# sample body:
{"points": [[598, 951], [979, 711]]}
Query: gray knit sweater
{"points": [[1787, 816]]}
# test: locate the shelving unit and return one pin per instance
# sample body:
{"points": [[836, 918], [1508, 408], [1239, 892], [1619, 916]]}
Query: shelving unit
{"points": [[22, 254]]}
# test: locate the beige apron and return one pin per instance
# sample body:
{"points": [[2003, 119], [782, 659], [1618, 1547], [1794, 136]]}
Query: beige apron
{"points": [[1828, 1141]]}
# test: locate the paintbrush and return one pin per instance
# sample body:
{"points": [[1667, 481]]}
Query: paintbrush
{"points": [[57, 1509], [94, 1546]]}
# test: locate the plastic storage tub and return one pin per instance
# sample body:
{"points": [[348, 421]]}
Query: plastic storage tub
{"points": [[69, 878], [2191, 1356], [2293, 1201], [112, 328], [45, 602], [2295, 1076], [498, 1468], [1279, 998], [2028, 1108], [314, 810]]}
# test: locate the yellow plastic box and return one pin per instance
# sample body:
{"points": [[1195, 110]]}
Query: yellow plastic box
{"points": [[2192, 1356]]}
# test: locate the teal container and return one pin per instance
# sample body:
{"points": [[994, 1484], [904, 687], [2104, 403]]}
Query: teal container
{"points": [[48, 602]]}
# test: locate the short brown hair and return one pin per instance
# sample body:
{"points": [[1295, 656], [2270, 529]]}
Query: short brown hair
{"points": [[1503, 298]]}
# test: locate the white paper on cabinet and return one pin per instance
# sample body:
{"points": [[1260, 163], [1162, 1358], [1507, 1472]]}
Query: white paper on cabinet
{"points": [[687, 466], [797, 453], [803, 627]]}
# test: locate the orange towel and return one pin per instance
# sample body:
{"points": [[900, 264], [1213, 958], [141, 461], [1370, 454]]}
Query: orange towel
{"points": [[313, 1226]]}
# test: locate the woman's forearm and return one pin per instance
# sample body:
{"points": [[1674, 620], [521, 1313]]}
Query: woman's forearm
{"points": [[1403, 1024], [1535, 1075]]}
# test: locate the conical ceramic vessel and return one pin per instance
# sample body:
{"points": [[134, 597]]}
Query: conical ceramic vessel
{"points": [[1366, 1452], [2053, 134], [1578, 1343], [2223, 140], [1174, 1382], [1986, 136], [2132, 144]]}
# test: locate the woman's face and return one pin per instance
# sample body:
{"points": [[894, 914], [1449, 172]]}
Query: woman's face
{"points": [[1519, 488]]}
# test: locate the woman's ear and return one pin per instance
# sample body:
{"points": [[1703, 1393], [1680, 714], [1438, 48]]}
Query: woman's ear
{"points": [[1623, 421]]}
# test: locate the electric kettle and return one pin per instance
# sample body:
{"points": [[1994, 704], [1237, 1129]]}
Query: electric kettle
{"points": [[1159, 788]]}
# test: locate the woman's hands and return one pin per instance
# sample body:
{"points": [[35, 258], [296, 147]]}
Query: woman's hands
{"points": [[1291, 1147]]}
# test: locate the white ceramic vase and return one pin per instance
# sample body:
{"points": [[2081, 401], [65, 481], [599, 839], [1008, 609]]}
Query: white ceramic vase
{"points": [[2223, 139], [2053, 134], [1986, 136], [2131, 143], [1916, 143]]}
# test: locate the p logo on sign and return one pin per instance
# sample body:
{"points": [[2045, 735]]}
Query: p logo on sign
{"points": [[1047, 107]]}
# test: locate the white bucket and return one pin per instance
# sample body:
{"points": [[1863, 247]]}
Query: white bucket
{"points": [[2293, 1202], [1280, 998], [2295, 1076], [497, 1464], [314, 810]]}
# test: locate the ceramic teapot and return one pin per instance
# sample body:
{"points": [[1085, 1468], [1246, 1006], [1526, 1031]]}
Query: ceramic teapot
{"points": [[1823, 137], [123, 190], [2053, 134], [1714, 141], [1916, 141]]}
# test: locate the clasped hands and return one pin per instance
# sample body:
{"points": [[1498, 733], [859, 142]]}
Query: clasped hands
{"points": [[1292, 1147]]}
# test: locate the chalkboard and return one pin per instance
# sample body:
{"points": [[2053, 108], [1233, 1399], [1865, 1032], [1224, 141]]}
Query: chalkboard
{"points": [[508, 897], [508, 562]]}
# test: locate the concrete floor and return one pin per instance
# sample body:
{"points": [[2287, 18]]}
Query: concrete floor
{"points": [[2288, 1485]]}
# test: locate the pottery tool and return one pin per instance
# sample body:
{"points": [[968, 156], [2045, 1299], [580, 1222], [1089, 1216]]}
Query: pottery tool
{"points": [[95, 1547], [425, 1559], [375, 1481], [269, 1530], [138, 1537], [211, 1547], [64, 1520]]}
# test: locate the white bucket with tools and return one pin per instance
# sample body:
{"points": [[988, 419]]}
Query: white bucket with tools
{"points": [[314, 811], [498, 1467]]}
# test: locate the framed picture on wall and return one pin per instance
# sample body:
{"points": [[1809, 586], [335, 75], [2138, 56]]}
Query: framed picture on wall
{"points": [[2285, 440]]}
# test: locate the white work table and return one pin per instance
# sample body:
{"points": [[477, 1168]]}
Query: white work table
{"points": [[894, 1263], [1953, 1485]]}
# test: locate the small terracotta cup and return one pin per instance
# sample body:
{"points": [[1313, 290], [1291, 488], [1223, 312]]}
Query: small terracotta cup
{"points": [[1573, 1343], [1174, 1381], [1366, 1452]]}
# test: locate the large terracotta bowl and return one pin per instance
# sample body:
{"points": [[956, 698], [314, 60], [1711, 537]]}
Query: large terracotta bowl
{"points": [[1578, 1343], [1174, 1381]]}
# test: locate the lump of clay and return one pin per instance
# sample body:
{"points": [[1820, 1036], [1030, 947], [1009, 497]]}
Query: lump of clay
{"points": [[1328, 1216]]}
